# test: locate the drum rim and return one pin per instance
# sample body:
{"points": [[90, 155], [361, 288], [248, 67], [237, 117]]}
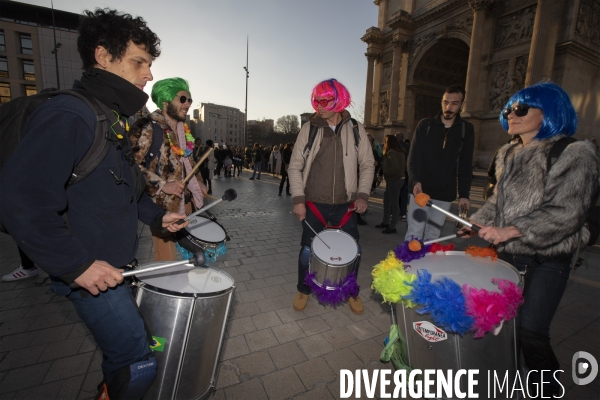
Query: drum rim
{"points": [[520, 283], [174, 293], [187, 233], [333, 230]]}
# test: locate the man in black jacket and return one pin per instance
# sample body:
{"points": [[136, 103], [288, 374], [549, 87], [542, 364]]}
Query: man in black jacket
{"points": [[441, 154], [103, 209]]}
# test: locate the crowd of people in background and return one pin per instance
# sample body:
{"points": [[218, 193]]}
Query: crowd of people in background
{"points": [[230, 160]]}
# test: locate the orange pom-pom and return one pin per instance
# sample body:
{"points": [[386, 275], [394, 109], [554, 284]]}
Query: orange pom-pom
{"points": [[422, 199], [482, 252], [414, 245]]}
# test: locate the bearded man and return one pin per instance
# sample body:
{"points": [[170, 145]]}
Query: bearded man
{"points": [[163, 146]]}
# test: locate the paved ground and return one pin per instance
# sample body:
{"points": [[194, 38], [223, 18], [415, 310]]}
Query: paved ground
{"points": [[270, 350]]}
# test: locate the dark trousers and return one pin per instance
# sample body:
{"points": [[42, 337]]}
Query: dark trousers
{"points": [[332, 214], [404, 198], [544, 288], [205, 172], [284, 178], [27, 263]]}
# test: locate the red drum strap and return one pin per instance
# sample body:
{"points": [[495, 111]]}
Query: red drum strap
{"points": [[317, 213]]}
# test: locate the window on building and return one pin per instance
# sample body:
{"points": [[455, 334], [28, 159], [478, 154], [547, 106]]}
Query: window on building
{"points": [[3, 67], [2, 41], [28, 70], [4, 92], [30, 90], [26, 44]]}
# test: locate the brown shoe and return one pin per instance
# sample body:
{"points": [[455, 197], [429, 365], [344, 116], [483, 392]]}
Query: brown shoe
{"points": [[300, 301], [356, 305]]}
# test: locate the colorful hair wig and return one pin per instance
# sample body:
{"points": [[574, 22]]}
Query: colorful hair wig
{"points": [[331, 88], [165, 90], [559, 115]]}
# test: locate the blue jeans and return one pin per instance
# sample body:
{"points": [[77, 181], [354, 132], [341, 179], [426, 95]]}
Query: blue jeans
{"points": [[115, 322], [257, 167]]}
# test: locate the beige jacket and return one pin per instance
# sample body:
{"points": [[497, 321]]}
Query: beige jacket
{"points": [[358, 164]]}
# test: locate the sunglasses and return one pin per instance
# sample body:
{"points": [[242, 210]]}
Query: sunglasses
{"points": [[324, 102], [183, 99], [520, 110]]}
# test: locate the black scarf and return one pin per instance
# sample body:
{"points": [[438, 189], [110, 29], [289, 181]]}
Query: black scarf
{"points": [[115, 92]]}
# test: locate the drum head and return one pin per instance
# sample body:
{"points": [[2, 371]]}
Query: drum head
{"points": [[205, 230], [343, 247], [463, 269], [187, 280]]}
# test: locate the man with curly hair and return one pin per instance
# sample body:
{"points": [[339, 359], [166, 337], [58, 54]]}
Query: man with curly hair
{"points": [[85, 257], [165, 170]]}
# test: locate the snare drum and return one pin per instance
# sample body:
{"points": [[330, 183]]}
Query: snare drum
{"points": [[185, 309], [204, 234], [495, 351], [335, 263]]}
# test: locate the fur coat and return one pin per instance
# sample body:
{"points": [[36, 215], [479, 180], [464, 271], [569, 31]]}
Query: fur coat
{"points": [[549, 209], [163, 169]]}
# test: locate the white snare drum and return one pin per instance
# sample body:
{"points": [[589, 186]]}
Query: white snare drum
{"points": [[495, 351], [203, 234], [186, 308], [335, 263]]}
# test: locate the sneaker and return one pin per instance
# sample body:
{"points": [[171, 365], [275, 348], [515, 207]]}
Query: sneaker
{"points": [[209, 191], [356, 305], [288, 193], [252, 178], [382, 225], [21, 273], [403, 218], [388, 230], [300, 301]]}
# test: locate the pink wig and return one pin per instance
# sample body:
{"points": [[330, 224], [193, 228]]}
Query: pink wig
{"points": [[331, 88]]}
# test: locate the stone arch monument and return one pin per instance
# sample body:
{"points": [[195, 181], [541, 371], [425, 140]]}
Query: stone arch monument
{"points": [[492, 47]]}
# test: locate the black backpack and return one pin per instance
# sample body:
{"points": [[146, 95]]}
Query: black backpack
{"points": [[14, 116], [593, 217]]}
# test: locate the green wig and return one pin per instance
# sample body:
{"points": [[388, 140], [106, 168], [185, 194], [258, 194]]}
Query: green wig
{"points": [[165, 90]]}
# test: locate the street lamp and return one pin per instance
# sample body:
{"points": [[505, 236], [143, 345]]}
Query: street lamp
{"points": [[246, 105], [56, 47]]}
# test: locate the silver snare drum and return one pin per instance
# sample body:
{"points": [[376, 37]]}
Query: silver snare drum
{"points": [[203, 234], [495, 352], [186, 309], [335, 263]]}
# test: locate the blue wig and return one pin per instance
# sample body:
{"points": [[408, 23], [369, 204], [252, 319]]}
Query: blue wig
{"points": [[559, 115]]}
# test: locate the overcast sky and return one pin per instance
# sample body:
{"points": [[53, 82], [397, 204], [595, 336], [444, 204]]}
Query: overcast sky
{"points": [[294, 44]]}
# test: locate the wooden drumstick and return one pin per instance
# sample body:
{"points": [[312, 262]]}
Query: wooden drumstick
{"points": [[200, 161], [316, 234]]}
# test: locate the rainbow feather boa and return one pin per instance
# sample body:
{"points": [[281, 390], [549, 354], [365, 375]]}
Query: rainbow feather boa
{"points": [[456, 309]]}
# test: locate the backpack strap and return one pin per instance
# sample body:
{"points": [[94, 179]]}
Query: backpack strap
{"points": [[312, 134], [157, 141], [100, 145], [556, 150], [356, 133]]}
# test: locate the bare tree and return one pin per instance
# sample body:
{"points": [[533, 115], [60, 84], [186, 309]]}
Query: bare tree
{"points": [[358, 112], [288, 125]]}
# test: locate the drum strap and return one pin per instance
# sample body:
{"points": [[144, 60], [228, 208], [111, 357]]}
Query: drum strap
{"points": [[317, 213]]}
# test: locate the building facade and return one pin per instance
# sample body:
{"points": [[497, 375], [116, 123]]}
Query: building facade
{"points": [[493, 48], [221, 124], [28, 63]]}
